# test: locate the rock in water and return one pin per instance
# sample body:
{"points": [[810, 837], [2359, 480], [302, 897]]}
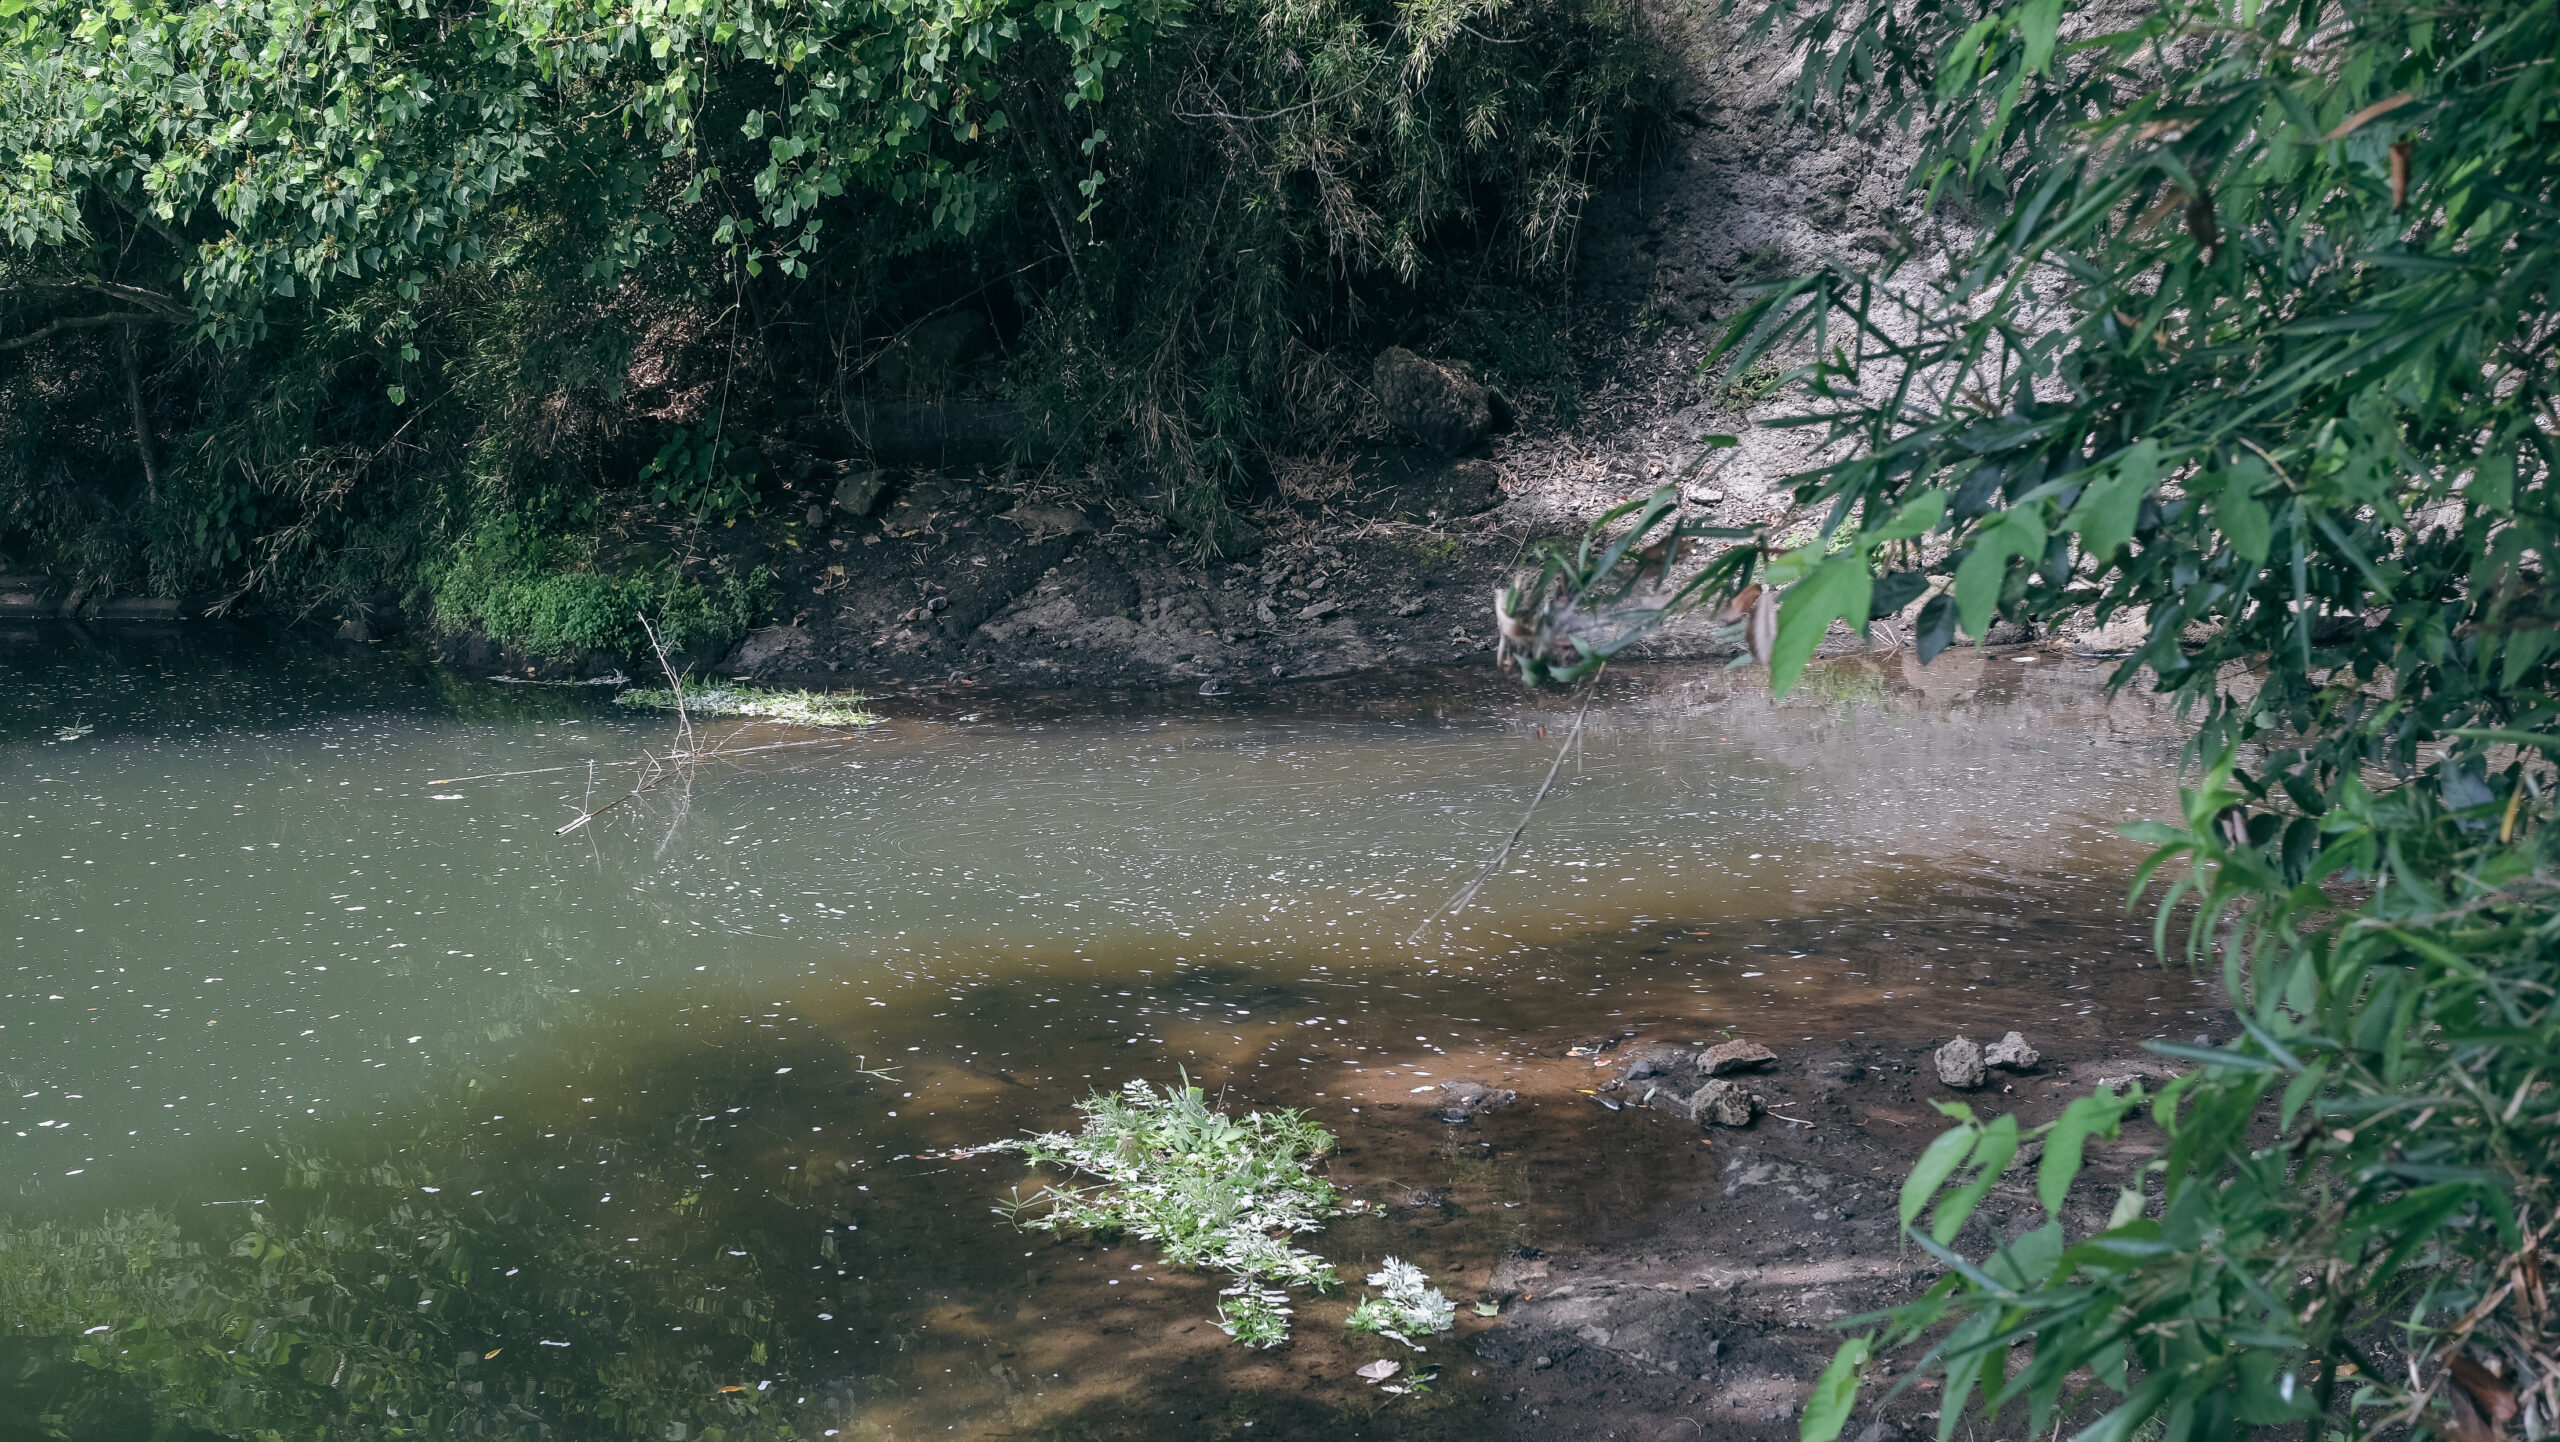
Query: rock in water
{"points": [[1735, 1056], [2011, 1051], [1470, 1097], [1431, 402], [1516, 1274], [1960, 1064], [1723, 1103]]}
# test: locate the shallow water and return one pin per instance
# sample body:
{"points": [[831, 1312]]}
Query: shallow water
{"points": [[685, 1063]]}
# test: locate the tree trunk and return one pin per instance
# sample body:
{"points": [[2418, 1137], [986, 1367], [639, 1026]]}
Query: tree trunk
{"points": [[141, 419]]}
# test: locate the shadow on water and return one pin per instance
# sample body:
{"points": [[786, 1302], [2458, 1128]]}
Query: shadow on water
{"points": [[675, 1174]]}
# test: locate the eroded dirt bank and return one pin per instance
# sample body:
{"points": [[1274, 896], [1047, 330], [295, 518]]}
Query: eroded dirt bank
{"points": [[1383, 552]]}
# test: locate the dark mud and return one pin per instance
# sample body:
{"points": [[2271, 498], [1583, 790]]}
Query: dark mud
{"points": [[1654, 1278]]}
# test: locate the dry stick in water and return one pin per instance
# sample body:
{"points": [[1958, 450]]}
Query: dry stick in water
{"points": [[1467, 893], [675, 684], [651, 760], [676, 761]]}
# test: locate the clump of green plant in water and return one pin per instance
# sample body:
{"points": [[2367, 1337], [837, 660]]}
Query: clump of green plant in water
{"points": [[1407, 1304], [548, 595], [809, 708], [1214, 1192]]}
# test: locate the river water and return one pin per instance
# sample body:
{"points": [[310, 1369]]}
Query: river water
{"points": [[317, 1032]]}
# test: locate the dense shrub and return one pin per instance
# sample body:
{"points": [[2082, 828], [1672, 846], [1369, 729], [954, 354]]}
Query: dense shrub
{"points": [[537, 594], [297, 293]]}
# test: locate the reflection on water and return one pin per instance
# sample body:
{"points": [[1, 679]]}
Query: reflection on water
{"points": [[662, 1090]]}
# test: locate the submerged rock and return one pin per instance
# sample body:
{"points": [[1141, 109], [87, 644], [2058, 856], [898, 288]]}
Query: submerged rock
{"points": [[1735, 1056], [1960, 1064], [1723, 1103], [1430, 402], [2011, 1051], [1516, 1274], [1469, 1098]]}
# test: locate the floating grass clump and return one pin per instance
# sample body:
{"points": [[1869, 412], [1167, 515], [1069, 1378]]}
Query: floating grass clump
{"points": [[1409, 1304], [809, 708], [1216, 1193]]}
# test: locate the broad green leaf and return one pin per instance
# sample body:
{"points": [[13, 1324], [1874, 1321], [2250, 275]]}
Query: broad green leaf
{"points": [[1838, 589], [2105, 516], [1788, 567], [1915, 519], [2493, 483], [2244, 520], [1985, 567], [2037, 22]]}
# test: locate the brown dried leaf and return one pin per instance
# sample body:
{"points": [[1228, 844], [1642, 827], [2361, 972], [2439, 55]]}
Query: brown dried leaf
{"points": [[2376, 110], [1762, 636], [2491, 1395]]}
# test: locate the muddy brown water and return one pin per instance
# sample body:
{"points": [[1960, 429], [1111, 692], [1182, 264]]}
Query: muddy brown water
{"points": [[732, 1023]]}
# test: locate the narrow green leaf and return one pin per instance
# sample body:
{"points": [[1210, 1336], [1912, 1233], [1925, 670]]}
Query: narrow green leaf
{"points": [[1835, 1392], [1934, 1167], [2085, 1117], [1991, 1156]]}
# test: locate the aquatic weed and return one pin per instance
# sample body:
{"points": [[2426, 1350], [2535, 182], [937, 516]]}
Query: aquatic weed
{"points": [[1214, 1192], [1410, 1304], [809, 708]]}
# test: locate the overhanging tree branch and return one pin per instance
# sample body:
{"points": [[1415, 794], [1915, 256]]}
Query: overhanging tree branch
{"points": [[85, 322]]}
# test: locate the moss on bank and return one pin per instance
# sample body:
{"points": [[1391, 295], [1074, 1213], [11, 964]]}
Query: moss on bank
{"points": [[547, 595]]}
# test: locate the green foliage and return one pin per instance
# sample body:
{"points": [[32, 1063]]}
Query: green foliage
{"points": [[2256, 338], [1212, 1191], [695, 474], [809, 708], [426, 219], [316, 146], [538, 593]]}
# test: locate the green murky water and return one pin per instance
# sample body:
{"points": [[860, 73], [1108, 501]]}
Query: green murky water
{"points": [[437, 1122]]}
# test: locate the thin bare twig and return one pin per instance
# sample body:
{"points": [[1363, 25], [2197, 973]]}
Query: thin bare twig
{"points": [[1467, 893]]}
